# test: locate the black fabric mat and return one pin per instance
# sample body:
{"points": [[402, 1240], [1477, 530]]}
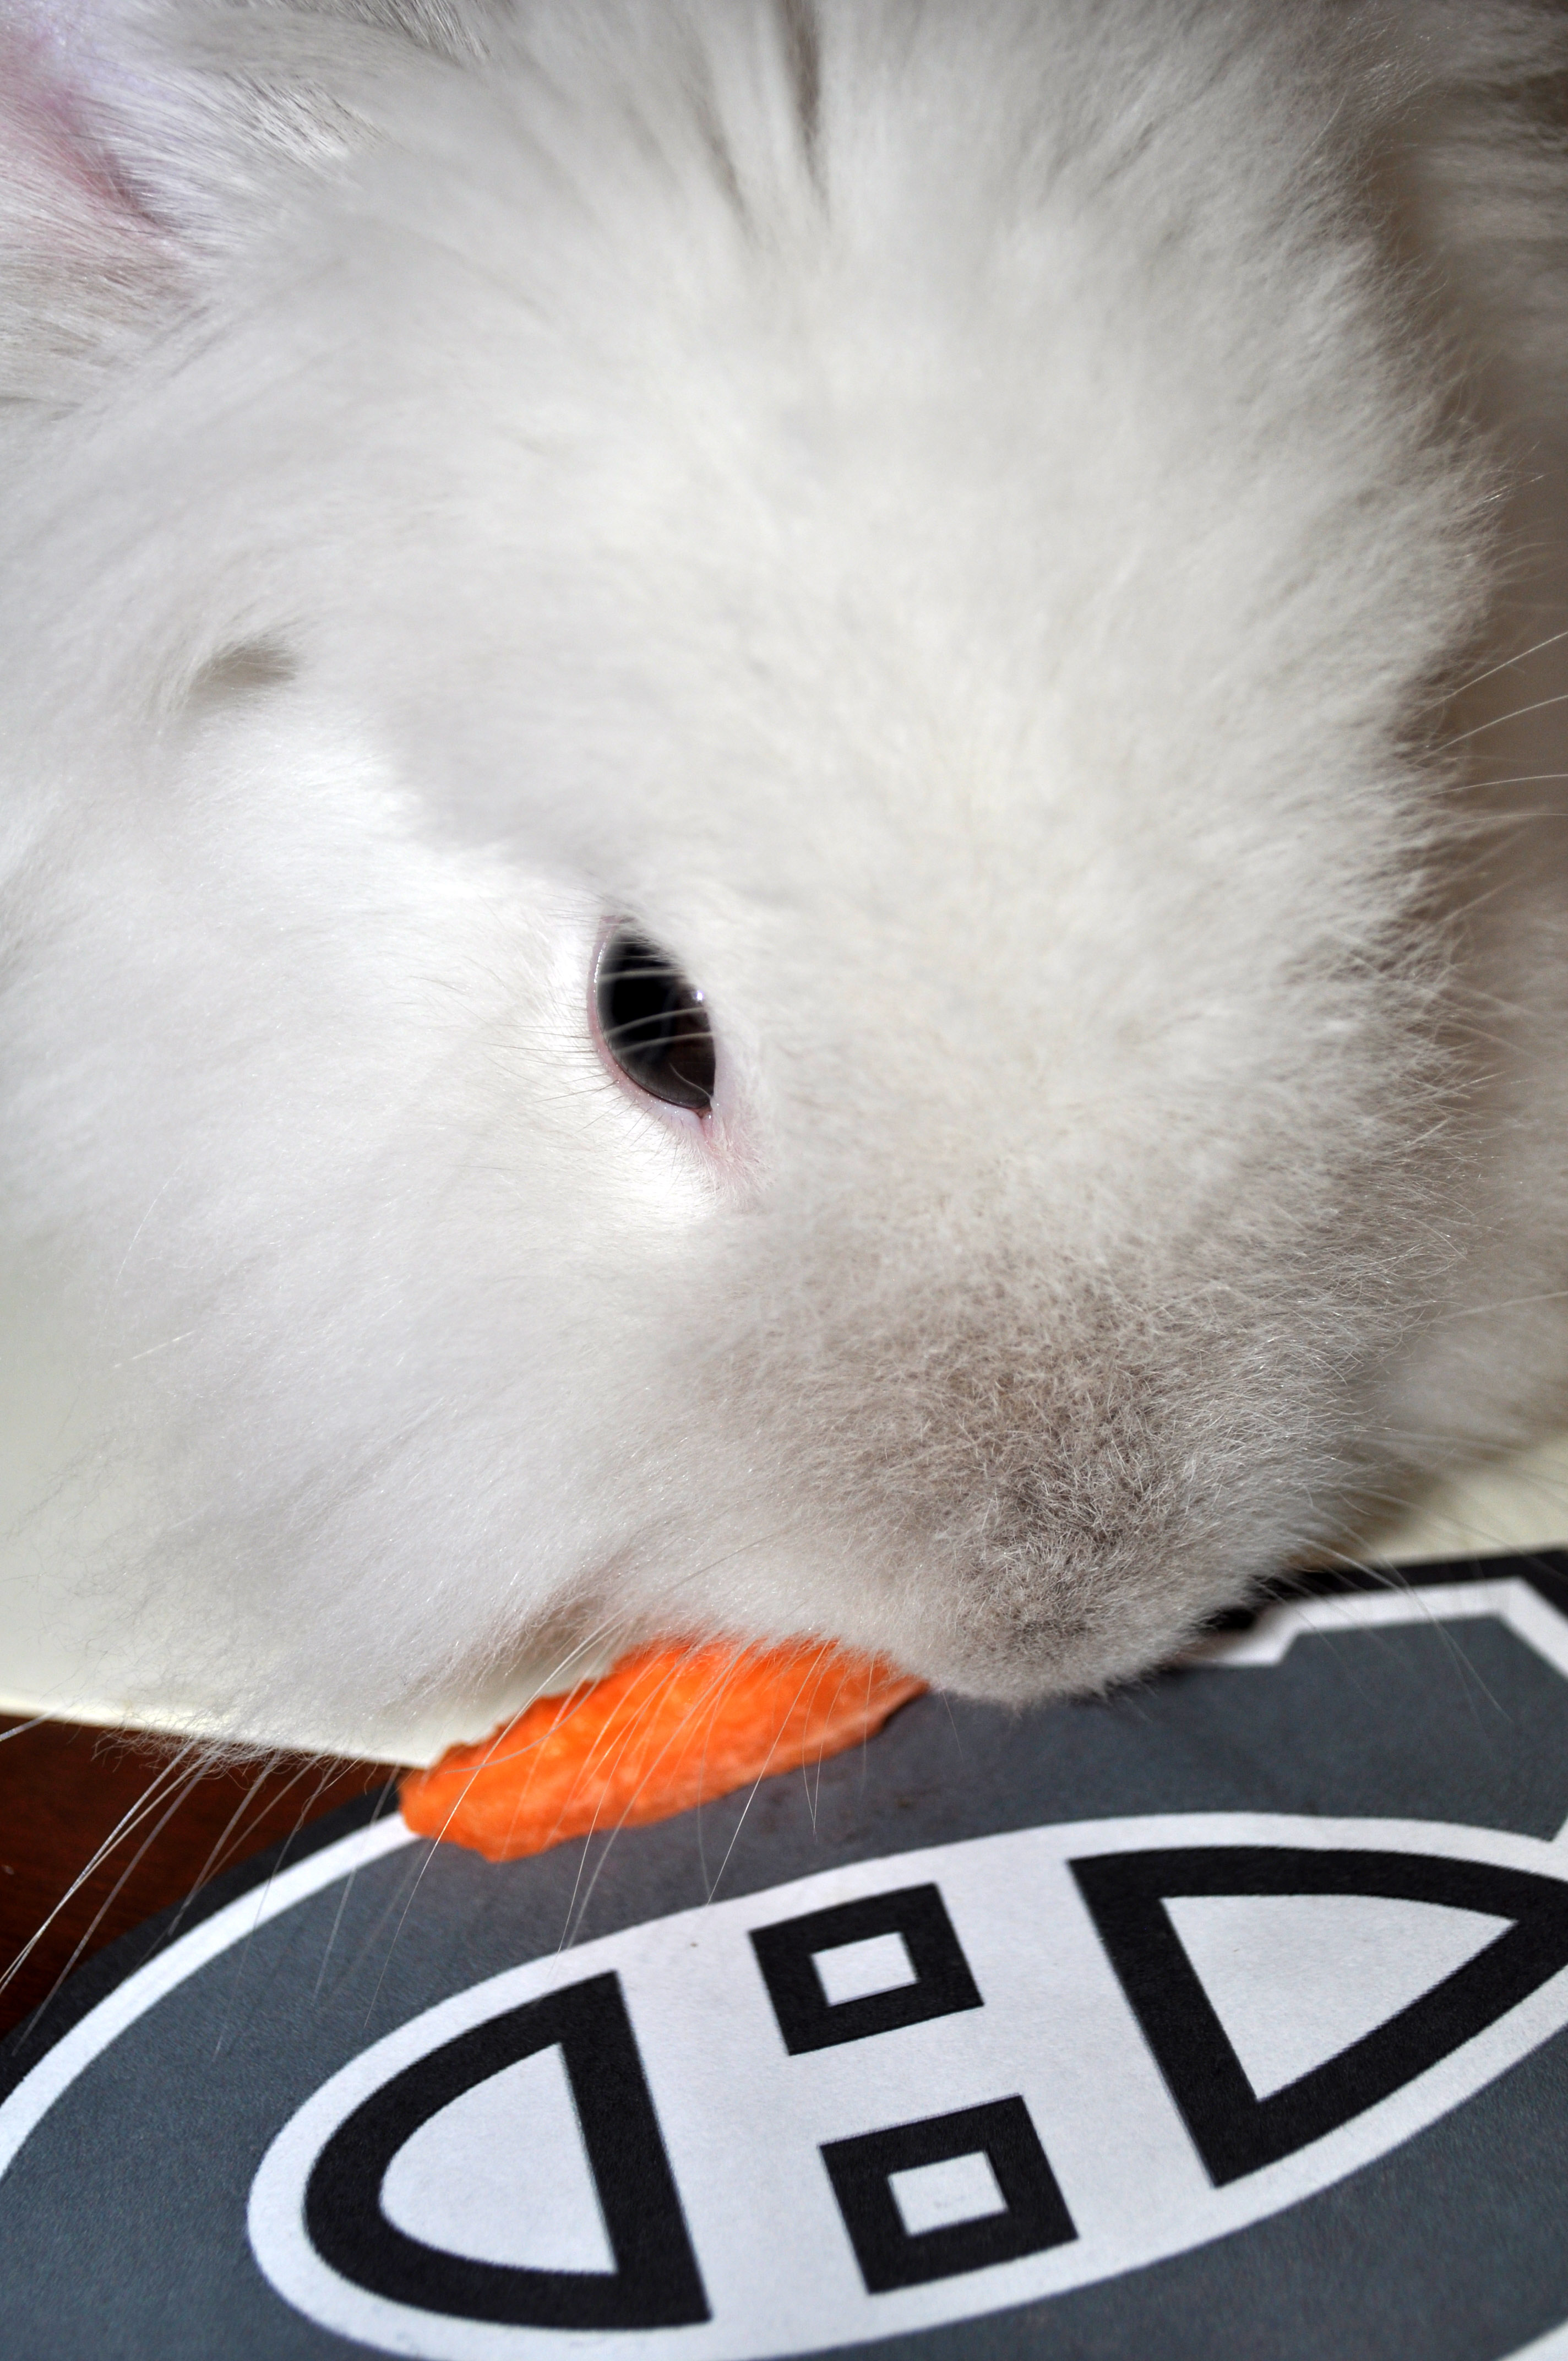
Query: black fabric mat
{"points": [[1229, 2016]]}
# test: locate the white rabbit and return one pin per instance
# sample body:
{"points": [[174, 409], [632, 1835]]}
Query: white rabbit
{"points": [[964, 525]]}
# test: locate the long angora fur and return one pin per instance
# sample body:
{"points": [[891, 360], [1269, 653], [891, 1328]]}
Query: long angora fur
{"points": [[1013, 538]]}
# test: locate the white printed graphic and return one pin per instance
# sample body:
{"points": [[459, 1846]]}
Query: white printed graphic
{"points": [[935, 2196], [501, 2174], [744, 2123], [855, 1971], [1296, 1978]]}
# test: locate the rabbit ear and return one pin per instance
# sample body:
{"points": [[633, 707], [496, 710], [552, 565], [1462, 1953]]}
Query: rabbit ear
{"points": [[140, 138], [85, 265]]}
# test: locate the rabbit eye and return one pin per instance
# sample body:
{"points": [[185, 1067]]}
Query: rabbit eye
{"points": [[653, 1022]]}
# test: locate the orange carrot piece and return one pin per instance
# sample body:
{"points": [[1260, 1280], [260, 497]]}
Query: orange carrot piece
{"points": [[669, 1727]]}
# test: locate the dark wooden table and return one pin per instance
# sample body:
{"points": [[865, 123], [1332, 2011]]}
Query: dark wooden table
{"points": [[98, 1830]]}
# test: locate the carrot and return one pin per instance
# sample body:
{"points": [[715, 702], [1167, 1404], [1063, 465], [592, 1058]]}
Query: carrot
{"points": [[668, 1728]]}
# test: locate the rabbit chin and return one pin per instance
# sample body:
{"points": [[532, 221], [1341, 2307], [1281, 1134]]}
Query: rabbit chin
{"points": [[1019, 1489]]}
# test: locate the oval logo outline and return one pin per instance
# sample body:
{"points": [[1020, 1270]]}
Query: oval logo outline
{"points": [[776, 2293]]}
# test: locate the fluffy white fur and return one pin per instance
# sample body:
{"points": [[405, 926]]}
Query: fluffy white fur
{"points": [[968, 519]]}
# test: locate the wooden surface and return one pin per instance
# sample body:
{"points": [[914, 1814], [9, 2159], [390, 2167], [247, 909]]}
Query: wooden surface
{"points": [[140, 1825]]}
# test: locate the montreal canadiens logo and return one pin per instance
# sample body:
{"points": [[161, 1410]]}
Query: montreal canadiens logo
{"points": [[914, 2091]]}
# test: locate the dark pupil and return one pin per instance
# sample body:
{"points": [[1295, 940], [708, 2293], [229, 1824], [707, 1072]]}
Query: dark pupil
{"points": [[653, 1022]]}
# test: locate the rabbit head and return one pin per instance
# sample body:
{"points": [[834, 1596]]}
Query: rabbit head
{"points": [[721, 825]]}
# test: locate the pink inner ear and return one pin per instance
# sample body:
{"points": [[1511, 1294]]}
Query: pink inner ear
{"points": [[48, 154]]}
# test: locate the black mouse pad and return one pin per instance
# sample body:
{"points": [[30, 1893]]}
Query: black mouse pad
{"points": [[1229, 2016]]}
